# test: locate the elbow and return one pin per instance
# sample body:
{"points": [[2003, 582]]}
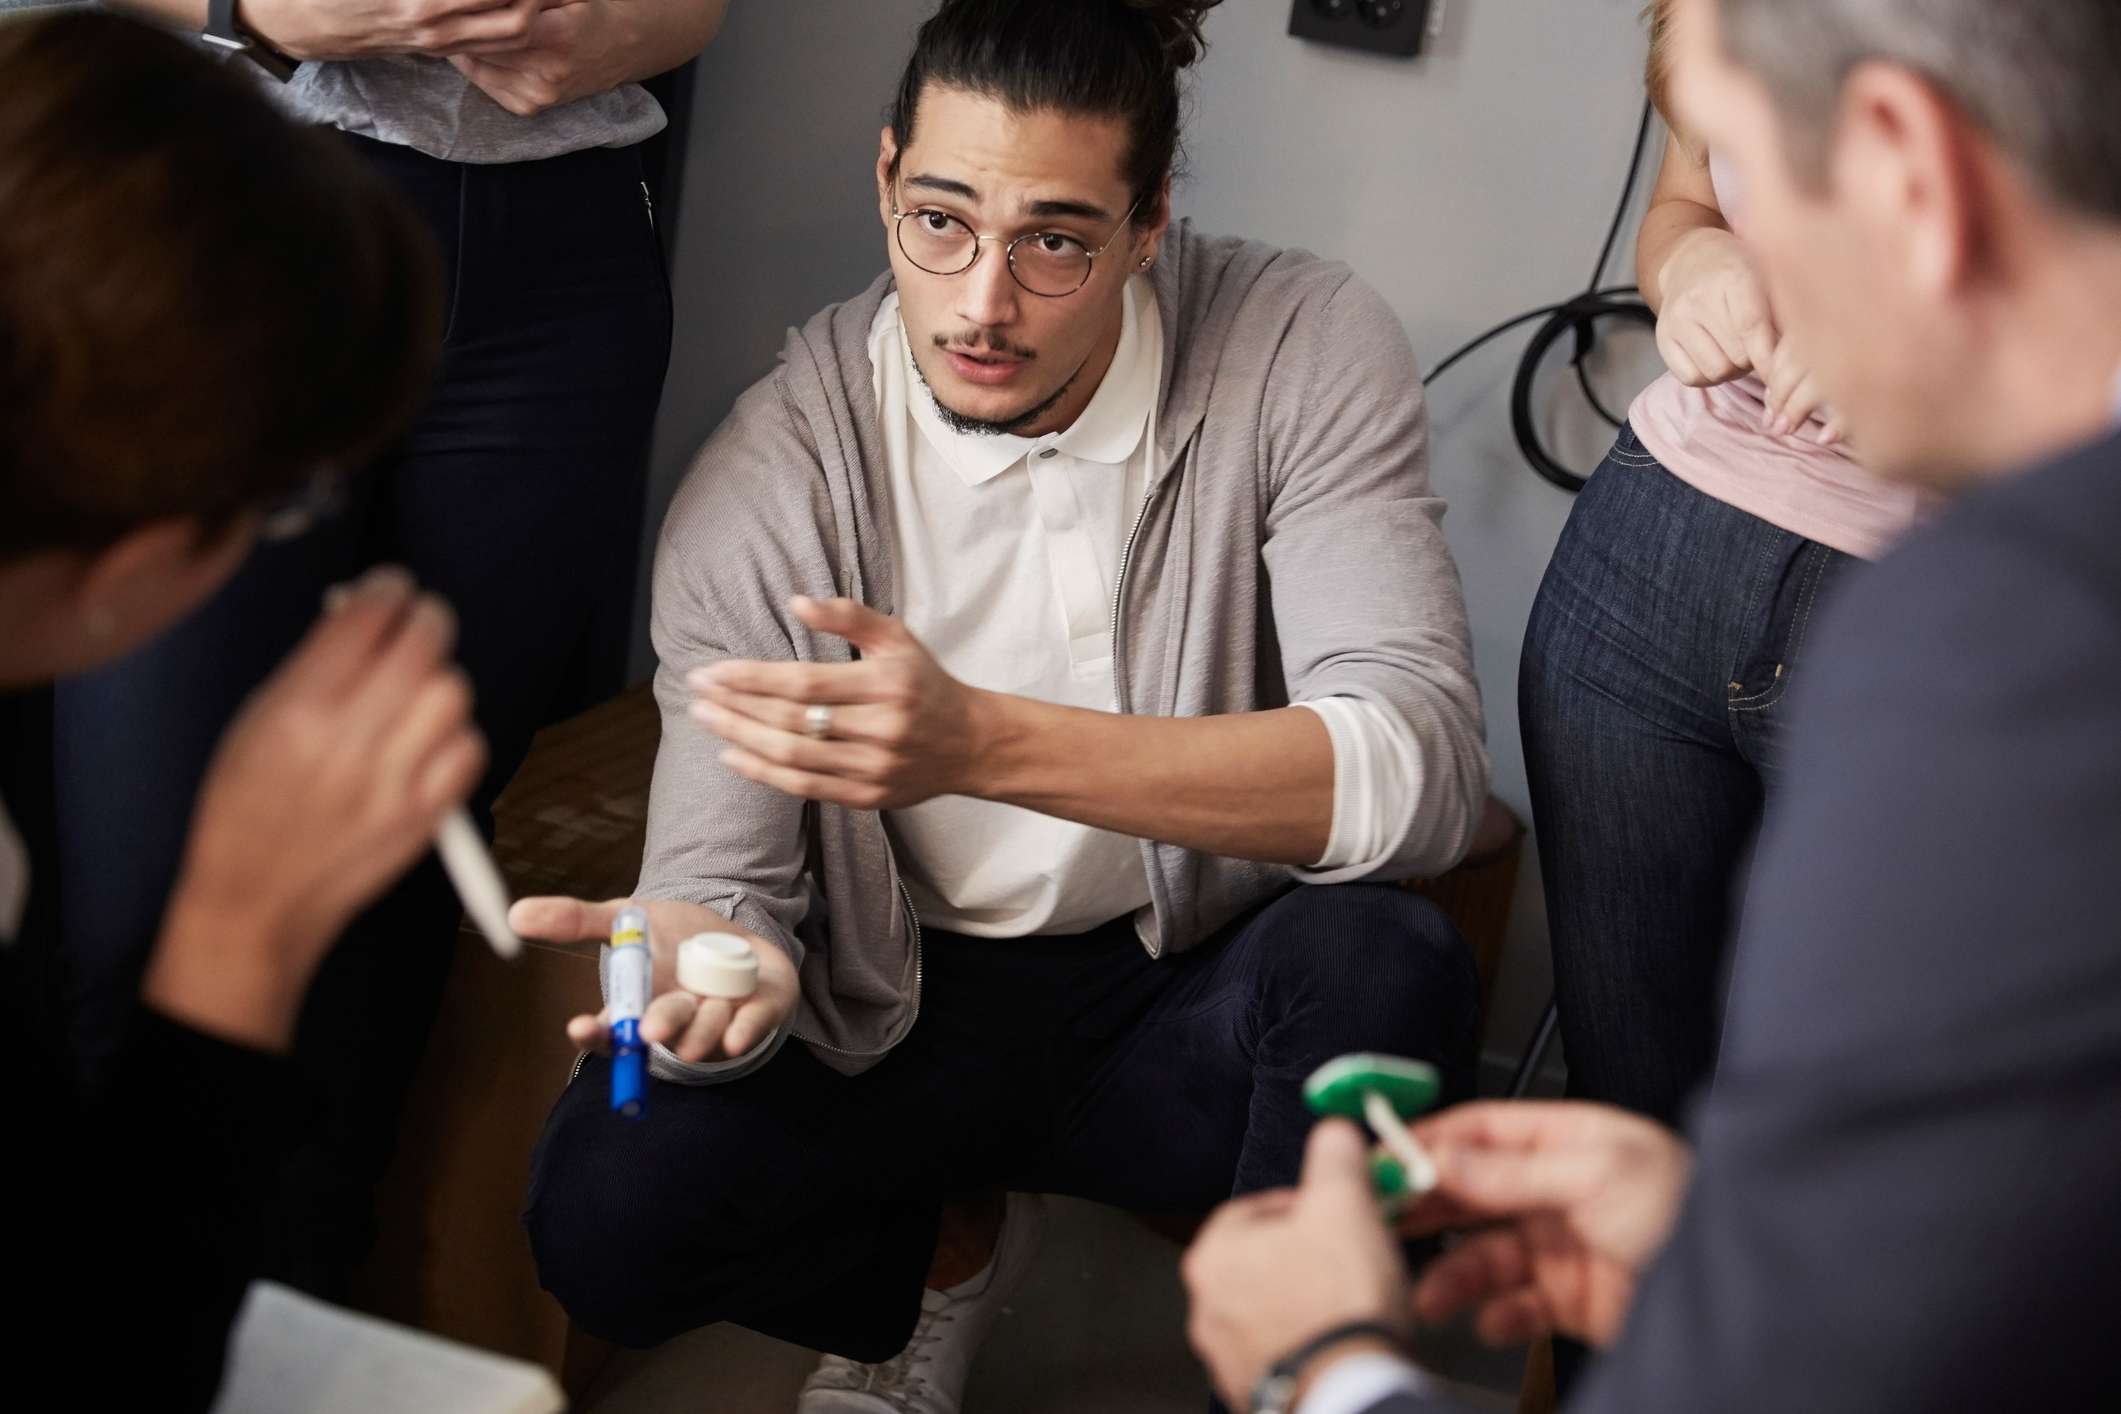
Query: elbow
{"points": [[1447, 819]]}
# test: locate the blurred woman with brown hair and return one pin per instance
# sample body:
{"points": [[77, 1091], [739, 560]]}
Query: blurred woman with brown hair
{"points": [[207, 315], [515, 129]]}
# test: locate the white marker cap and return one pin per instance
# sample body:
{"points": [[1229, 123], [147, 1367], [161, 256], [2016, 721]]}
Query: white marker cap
{"points": [[718, 965]]}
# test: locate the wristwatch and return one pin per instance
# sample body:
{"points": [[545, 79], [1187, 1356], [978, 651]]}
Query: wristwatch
{"points": [[225, 30], [1276, 1391]]}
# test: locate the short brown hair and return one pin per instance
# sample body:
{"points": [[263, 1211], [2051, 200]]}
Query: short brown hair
{"points": [[202, 305]]}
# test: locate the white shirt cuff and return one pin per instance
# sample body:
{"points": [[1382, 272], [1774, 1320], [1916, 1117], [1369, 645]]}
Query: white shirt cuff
{"points": [[1377, 779], [1361, 1382]]}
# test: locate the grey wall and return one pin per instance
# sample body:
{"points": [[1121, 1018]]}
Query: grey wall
{"points": [[1466, 186], [779, 210]]}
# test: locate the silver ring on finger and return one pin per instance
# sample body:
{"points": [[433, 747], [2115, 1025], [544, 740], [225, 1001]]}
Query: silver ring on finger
{"points": [[817, 721]]}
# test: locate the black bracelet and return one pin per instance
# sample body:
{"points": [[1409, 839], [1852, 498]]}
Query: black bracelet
{"points": [[280, 66], [1276, 1391], [225, 28]]}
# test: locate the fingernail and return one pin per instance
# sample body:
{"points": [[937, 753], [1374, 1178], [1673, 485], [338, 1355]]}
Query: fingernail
{"points": [[434, 614], [1783, 427], [386, 582], [700, 678], [702, 713], [335, 597]]}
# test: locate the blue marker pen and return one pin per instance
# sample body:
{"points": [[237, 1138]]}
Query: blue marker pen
{"points": [[627, 969]]}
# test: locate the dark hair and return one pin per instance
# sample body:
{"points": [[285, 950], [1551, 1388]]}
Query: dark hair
{"points": [[1117, 58], [202, 305], [2037, 74]]}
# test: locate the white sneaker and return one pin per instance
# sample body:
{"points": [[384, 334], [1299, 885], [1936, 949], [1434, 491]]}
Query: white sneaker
{"points": [[928, 1376]]}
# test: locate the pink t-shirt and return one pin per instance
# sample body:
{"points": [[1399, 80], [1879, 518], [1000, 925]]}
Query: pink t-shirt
{"points": [[1716, 440]]}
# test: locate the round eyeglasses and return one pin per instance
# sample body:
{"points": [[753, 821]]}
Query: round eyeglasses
{"points": [[303, 509], [1050, 264]]}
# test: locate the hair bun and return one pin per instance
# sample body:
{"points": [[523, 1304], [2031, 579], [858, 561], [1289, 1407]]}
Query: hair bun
{"points": [[1178, 27]]}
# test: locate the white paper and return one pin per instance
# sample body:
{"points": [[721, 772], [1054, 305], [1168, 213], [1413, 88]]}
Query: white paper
{"points": [[292, 1354]]}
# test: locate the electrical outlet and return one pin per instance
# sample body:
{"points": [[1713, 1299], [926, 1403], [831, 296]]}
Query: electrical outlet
{"points": [[1380, 26]]}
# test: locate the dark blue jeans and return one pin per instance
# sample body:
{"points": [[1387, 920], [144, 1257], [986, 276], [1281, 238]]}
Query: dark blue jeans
{"points": [[1662, 646], [518, 497], [804, 1203]]}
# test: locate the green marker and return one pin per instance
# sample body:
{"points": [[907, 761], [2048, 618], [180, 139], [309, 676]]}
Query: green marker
{"points": [[1384, 1092]]}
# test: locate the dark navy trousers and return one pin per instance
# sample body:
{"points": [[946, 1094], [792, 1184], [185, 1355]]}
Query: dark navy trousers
{"points": [[804, 1203]]}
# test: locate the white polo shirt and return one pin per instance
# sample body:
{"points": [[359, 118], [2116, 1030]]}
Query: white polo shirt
{"points": [[1008, 552]]}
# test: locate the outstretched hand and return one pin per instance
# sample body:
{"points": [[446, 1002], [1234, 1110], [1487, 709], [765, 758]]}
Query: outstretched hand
{"points": [[695, 1028]]}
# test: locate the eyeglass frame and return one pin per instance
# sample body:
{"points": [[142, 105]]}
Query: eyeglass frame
{"points": [[321, 496], [898, 234]]}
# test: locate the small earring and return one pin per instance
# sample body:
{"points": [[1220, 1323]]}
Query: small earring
{"points": [[1147, 261]]}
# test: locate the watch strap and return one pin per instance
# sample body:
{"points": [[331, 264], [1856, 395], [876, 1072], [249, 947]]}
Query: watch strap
{"points": [[225, 30], [1276, 1391], [221, 26]]}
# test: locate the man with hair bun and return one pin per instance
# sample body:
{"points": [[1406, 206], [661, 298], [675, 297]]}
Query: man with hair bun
{"points": [[1061, 666]]}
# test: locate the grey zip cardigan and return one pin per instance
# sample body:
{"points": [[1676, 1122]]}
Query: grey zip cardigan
{"points": [[1288, 550]]}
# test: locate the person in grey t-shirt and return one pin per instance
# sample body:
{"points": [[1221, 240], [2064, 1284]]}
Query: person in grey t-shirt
{"points": [[513, 130], [473, 80]]}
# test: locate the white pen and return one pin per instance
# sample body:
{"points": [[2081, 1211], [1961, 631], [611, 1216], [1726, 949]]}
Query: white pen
{"points": [[478, 880], [465, 857]]}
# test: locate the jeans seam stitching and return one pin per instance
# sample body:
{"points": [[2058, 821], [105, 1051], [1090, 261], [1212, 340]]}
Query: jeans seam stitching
{"points": [[1795, 643], [1752, 608]]}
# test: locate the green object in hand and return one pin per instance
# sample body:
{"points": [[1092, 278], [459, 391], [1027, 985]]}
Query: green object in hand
{"points": [[1382, 1092], [1337, 1087], [1395, 1194]]}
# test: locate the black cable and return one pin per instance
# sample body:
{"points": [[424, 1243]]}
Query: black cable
{"points": [[1590, 395], [1578, 316], [1627, 196], [1485, 339], [1476, 345]]}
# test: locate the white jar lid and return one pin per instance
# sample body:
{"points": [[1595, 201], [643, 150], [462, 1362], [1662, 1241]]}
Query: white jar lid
{"points": [[718, 965]]}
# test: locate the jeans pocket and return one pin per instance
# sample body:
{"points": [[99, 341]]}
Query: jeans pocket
{"points": [[1761, 680]]}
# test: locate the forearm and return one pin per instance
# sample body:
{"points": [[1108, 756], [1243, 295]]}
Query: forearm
{"points": [[215, 1121], [1667, 225], [662, 34], [1256, 785], [222, 973], [188, 15], [1683, 203], [642, 38]]}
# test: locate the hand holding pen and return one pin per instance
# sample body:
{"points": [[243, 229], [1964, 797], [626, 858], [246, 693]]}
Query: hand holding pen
{"points": [[329, 784]]}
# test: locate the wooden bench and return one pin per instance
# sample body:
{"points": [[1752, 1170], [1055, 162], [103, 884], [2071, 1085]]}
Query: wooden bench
{"points": [[453, 1258]]}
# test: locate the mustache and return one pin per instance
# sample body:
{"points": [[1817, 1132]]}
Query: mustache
{"points": [[977, 344]]}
